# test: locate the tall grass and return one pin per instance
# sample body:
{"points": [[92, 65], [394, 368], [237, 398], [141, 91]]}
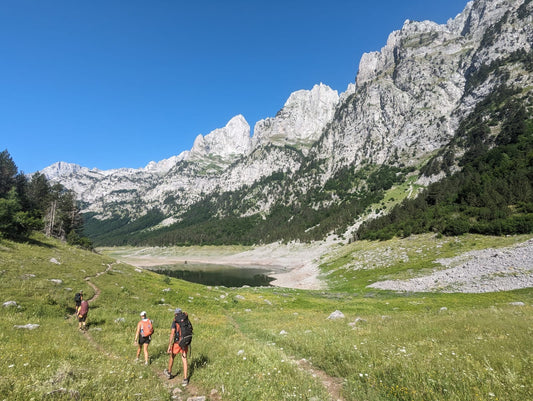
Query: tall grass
{"points": [[248, 341]]}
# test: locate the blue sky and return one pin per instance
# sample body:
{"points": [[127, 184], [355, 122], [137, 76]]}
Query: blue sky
{"points": [[110, 84]]}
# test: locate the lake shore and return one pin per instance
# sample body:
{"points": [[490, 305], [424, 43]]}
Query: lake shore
{"points": [[297, 266], [292, 265]]}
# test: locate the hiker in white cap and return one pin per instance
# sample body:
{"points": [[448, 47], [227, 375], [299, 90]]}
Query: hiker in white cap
{"points": [[145, 329]]}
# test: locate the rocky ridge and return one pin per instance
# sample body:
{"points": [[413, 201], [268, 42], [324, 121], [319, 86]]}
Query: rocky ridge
{"points": [[411, 95], [406, 103]]}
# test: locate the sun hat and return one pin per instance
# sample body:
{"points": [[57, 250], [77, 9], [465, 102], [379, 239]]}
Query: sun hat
{"points": [[143, 313], [177, 310]]}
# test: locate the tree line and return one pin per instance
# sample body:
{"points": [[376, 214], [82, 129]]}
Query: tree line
{"points": [[488, 187], [298, 214], [30, 204]]}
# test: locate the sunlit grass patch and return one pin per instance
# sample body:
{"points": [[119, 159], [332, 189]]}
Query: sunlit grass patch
{"points": [[248, 341], [355, 266]]}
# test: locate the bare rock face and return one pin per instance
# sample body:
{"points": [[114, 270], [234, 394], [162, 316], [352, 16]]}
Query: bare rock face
{"points": [[302, 119], [411, 95], [229, 142], [406, 103]]}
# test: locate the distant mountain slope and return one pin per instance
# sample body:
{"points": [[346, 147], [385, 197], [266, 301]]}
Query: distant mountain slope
{"points": [[325, 162]]}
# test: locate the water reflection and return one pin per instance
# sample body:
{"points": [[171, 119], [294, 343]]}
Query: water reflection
{"points": [[209, 274]]}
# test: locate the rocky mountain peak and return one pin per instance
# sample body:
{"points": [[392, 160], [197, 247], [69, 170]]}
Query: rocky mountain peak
{"points": [[406, 104], [228, 142], [301, 120], [59, 169]]}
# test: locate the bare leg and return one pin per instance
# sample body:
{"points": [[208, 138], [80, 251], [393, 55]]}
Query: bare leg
{"points": [[170, 363], [145, 348], [184, 361]]}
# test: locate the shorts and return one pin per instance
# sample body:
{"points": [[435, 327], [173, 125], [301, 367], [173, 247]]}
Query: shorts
{"points": [[144, 340], [82, 318], [176, 349]]}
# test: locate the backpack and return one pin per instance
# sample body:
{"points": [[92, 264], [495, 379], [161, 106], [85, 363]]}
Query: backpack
{"points": [[84, 308], [147, 328], [183, 336], [77, 298]]}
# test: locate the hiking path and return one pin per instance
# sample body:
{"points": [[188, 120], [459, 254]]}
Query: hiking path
{"points": [[193, 392]]}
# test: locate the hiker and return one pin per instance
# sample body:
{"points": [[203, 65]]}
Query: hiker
{"points": [[83, 310], [77, 299], [145, 329], [180, 339]]}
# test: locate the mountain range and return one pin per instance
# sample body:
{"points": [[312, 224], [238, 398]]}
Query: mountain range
{"points": [[317, 160]]}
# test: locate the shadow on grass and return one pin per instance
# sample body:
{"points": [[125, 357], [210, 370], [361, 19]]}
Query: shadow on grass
{"points": [[94, 322], [70, 310], [198, 362], [35, 242]]}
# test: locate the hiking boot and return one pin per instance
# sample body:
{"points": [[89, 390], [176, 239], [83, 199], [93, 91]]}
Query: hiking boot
{"points": [[185, 382], [167, 373]]}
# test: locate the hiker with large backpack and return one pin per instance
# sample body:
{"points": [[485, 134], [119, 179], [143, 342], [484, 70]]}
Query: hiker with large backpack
{"points": [[145, 329], [82, 312], [77, 300], [179, 342]]}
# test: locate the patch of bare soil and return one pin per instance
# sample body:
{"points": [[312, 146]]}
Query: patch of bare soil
{"points": [[332, 384]]}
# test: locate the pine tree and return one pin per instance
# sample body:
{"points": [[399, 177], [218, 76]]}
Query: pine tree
{"points": [[8, 172]]}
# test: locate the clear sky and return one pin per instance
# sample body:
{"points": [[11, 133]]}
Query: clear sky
{"points": [[119, 83]]}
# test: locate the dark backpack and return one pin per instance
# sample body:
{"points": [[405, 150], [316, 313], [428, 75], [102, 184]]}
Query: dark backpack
{"points": [[183, 336], [77, 298]]}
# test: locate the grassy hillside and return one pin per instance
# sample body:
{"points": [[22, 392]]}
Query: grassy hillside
{"points": [[259, 343]]}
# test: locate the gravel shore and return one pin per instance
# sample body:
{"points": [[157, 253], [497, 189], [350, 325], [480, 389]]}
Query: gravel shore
{"points": [[487, 270], [296, 266]]}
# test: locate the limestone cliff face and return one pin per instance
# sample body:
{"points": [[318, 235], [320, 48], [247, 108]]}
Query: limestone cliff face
{"points": [[301, 121], [223, 160], [406, 103], [410, 97], [228, 143]]}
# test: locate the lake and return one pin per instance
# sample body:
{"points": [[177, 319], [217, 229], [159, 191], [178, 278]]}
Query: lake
{"points": [[214, 274]]}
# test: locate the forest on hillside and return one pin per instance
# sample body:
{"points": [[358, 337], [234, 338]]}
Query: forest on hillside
{"points": [[491, 193], [487, 189], [33, 204]]}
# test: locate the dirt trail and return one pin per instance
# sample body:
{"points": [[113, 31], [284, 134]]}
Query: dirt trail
{"points": [[97, 293], [94, 287], [333, 384], [174, 384]]}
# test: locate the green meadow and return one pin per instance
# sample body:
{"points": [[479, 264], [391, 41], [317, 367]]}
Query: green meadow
{"points": [[262, 343]]}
